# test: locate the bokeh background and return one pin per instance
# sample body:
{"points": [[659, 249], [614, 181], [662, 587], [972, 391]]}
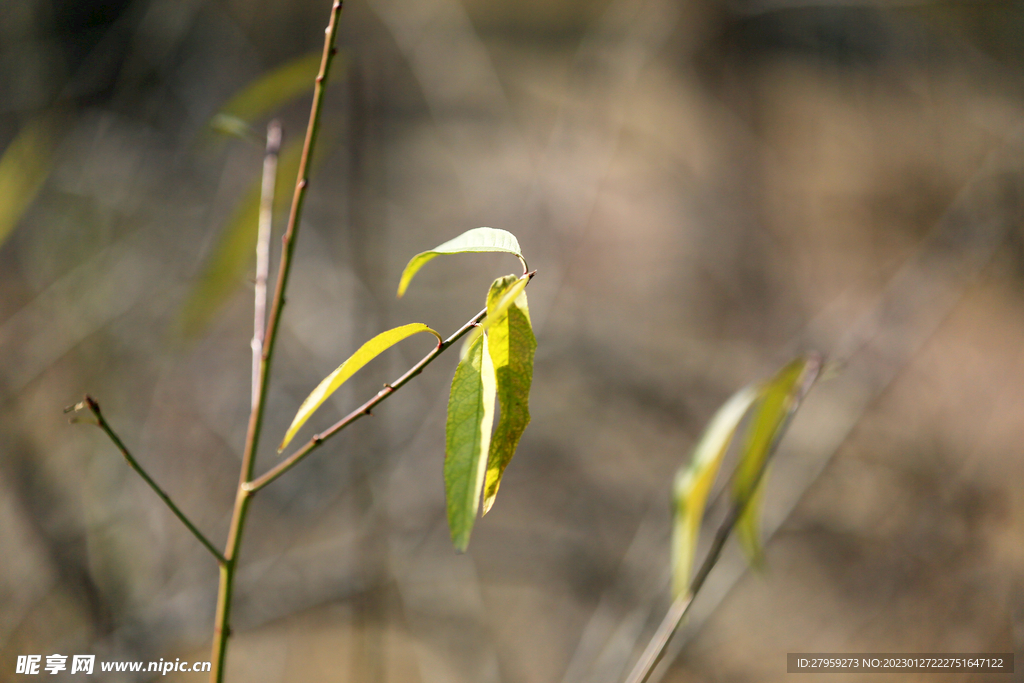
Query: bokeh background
{"points": [[706, 187]]}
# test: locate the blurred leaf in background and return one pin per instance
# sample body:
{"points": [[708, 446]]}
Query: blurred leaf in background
{"points": [[24, 168], [270, 91], [234, 252]]}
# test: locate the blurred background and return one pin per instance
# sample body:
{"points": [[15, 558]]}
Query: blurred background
{"points": [[706, 187]]}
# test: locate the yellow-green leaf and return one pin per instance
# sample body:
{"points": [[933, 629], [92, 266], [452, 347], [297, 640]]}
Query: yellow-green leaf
{"points": [[476, 240], [357, 360], [777, 400], [24, 167], [512, 345], [693, 484], [467, 435], [499, 298], [748, 526]]}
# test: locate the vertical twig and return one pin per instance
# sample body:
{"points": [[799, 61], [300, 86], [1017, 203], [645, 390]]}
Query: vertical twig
{"points": [[267, 189], [222, 622]]}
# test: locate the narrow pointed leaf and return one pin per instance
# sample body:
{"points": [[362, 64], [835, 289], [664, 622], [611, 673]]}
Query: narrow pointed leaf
{"points": [[512, 346], [777, 400], [748, 526], [476, 240], [467, 436], [693, 484], [364, 355]]}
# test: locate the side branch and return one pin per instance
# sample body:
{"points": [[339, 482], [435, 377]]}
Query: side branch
{"points": [[94, 408], [318, 439]]}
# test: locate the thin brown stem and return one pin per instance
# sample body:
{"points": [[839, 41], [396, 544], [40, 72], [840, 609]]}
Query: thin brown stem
{"points": [[365, 409], [222, 623], [267, 189], [655, 649], [94, 408]]}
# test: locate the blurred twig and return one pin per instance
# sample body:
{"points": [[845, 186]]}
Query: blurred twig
{"points": [[263, 250], [94, 408]]}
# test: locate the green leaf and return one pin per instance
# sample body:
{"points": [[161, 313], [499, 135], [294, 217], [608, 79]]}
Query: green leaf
{"points": [[24, 167], [512, 346], [499, 299], [693, 484], [270, 90], [748, 526], [777, 400], [357, 360], [467, 436], [476, 240]]}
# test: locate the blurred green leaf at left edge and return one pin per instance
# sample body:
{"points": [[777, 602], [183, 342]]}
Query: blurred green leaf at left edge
{"points": [[24, 167]]}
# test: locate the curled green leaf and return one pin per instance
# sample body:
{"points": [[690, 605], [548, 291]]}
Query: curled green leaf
{"points": [[476, 240], [467, 437], [504, 292], [777, 401], [512, 346], [356, 361], [693, 484]]}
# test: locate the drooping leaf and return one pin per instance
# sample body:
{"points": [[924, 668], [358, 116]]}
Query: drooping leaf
{"points": [[357, 360], [476, 240], [512, 346], [499, 298], [693, 484], [24, 167], [270, 90], [467, 436], [777, 400]]}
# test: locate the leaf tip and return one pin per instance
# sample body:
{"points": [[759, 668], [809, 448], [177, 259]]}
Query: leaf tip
{"points": [[460, 543], [488, 504]]}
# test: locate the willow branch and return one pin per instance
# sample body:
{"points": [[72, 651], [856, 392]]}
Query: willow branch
{"points": [[288, 245], [365, 409], [222, 620], [94, 408]]}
